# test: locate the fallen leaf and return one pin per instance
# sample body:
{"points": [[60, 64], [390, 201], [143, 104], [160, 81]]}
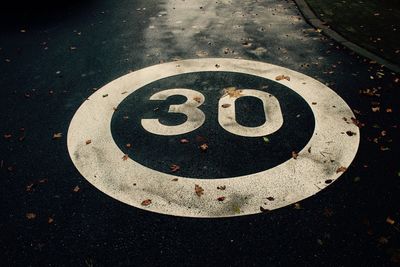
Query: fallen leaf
{"points": [[282, 77], [389, 110], [105, 95], [376, 109], [175, 180], [7, 136], [125, 157], [226, 105], [341, 169], [197, 99], [88, 142], [266, 139], [264, 210], [294, 154], [184, 141], [50, 220], [57, 135], [128, 145], [223, 187], [146, 202], [390, 220], [350, 133], [76, 189], [174, 168], [30, 215], [232, 92], [357, 123], [221, 198], [296, 206], [270, 198], [203, 147], [198, 190]]}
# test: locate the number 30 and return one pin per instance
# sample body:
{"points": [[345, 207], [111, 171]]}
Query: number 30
{"points": [[226, 113]]}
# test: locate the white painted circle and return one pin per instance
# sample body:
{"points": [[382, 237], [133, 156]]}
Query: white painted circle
{"points": [[101, 163]]}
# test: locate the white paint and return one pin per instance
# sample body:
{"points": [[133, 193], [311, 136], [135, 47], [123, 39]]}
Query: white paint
{"points": [[101, 161], [272, 111], [195, 117]]}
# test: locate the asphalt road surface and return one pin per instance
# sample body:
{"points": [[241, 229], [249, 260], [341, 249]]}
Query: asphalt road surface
{"points": [[240, 156]]}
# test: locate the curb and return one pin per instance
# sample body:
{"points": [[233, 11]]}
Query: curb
{"points": [[312, 19]]}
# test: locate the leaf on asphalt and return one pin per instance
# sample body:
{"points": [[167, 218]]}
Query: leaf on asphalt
{"points": [[297, 206], [341, 169], [57, 135], [282, 77], [223, 187], [203, 147], [389, 110], [221, 198], [128, 145], [350, 133], [76, 189], [266, 139], [125, 157], [232, 92], [88, 142], [30, 215], [198, 190], [174, 168], [390, 221], [50, 220], [376, 109], [264, 210], [7, 136], [226, 105], [184, 141], [197, 99], [146, 202], [294, 154]]}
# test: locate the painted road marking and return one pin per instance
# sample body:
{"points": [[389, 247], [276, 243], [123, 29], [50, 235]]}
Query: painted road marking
{"points": [[127, 181]]}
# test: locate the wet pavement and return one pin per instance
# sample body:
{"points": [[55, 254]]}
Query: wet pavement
{"points": [[51, 63]]}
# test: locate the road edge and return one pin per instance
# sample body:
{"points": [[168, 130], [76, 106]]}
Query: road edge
{"points": [[314, 21]]}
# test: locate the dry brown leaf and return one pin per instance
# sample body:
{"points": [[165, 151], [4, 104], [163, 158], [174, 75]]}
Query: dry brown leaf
{"points": [[30, 215], [262, 209], [76, 189], [128, 145], [232, 92], [125, 157], [198, 190], [7, 136], [57, 135], [88, 142], [390, 221], [184, 141], [175, 180], [197, 99], [341, 169], [221, 198], [174, 168], [294, 154], [50, 220], [146, 202], [222, 187], [282, 77], [203, 147]]}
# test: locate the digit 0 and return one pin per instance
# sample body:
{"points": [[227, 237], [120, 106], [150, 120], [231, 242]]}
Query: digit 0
{"points": [[226, 114]]}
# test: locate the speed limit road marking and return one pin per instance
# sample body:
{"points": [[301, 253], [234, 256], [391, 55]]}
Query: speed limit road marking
{"points": [[103, 164]]}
